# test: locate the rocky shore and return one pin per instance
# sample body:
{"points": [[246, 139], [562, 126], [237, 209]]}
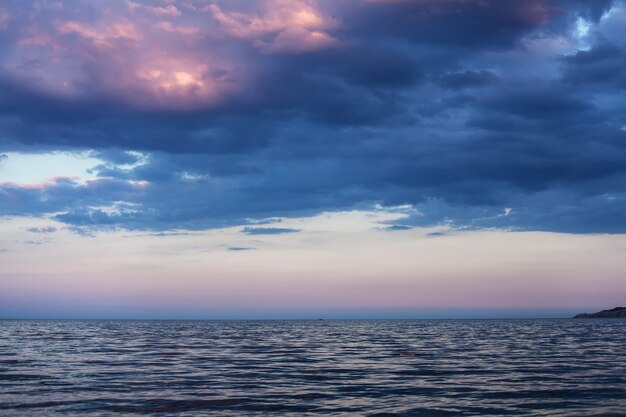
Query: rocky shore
{"points": [[617, 312]]}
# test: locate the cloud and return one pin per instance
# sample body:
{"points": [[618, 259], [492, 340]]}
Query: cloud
{"points": [[468, 79], [290, 108], [397, 227], [600, 67], [284, 26], [4, 19], [166, 234], [476, 23], [170, 9], [239, 249], [183, 30], [267, 230], [42, 229]]}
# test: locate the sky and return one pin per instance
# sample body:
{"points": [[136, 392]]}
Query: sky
{"points": [[302, 158]]}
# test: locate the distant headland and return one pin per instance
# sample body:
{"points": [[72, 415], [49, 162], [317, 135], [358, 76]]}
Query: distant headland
{"points": [[614, 313]]}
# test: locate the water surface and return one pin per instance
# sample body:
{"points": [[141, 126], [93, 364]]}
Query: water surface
{"points": [[296, 368]]}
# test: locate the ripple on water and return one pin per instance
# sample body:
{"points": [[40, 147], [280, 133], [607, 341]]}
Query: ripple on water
{"points": [[291, 368]]}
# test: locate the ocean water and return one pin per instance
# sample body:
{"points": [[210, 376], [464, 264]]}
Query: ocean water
{"points": [[308, 368]]}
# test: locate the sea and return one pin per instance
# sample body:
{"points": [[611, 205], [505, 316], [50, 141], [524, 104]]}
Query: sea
{"points": [[561, 367]]}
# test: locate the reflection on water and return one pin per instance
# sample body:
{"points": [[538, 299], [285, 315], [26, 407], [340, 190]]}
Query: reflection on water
{"points": [[407, 368]]}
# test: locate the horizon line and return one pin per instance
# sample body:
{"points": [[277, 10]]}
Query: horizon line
{"points": [[286, 319]]}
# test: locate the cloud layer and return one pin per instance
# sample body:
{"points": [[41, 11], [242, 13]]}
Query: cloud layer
{"points": [[477, 113]]}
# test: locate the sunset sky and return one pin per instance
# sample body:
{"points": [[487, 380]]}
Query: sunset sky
{"points": [[301, 158]]}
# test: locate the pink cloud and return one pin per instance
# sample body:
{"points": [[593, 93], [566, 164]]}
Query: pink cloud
{"points": [[105, 36], [296, 40], [182, 30], [122, 58], [534, 12], [283, 26], [4, 19], [168, 10], [157, 56], [168, 55], [33, 36]]}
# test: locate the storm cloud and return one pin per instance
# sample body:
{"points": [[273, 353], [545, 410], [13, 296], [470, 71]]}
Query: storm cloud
{"points": [[479, 114]]}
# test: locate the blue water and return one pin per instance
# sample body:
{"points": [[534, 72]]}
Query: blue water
{"points": [[296, 368]]}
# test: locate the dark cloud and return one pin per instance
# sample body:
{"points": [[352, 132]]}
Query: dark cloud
{"points": [[460, 108], [397, 227], [473, 23], [116, 157], [590, 9], [601, 66], [468, 79], [239, 249], [542, 101]]}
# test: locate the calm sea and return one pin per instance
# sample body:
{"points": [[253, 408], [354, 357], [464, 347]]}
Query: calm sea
{"points": [[300, 368]]}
